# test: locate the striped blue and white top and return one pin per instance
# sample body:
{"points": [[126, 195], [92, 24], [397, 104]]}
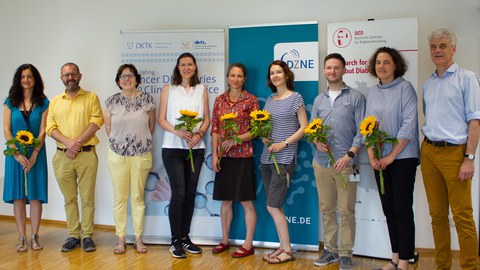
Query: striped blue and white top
{"points": [[284, 122]]}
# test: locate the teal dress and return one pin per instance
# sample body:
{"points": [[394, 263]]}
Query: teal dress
{"points": [[37, 177]]}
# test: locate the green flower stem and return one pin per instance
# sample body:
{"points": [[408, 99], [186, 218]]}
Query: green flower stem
{"points": [[275, 162], [382, 186], [24, 153], [378, 153], [190, 156]]}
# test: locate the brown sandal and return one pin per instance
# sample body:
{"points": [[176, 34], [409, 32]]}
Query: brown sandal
{"points": [[285, 256], [139, 246], [121, 247], [272, 255], [35, 243], [22, 247]]}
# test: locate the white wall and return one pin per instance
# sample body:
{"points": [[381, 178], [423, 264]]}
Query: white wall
{"points": [[50, 33]]}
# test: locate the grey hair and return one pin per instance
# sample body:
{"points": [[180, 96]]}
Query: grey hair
{"points": [[444, 33], [70, 64]]}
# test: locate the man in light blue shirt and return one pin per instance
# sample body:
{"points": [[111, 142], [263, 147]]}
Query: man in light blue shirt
{"points": [[451, 99], [341, 108]]}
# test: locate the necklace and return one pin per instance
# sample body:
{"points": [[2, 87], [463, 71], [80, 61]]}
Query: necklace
{"points": [[234, 98], [26, 113]]}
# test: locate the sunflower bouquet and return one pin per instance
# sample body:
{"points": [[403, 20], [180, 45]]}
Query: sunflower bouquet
{"points": [[188, 121], [375, 138], [24, 140], [260, 126], [315, 131], [229, 125]]}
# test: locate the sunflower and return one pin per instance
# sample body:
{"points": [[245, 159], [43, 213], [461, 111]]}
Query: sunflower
{"points": [[228, 116], [313, 126], [25, 137], [260, 115], [188, 113], [368, 125]]}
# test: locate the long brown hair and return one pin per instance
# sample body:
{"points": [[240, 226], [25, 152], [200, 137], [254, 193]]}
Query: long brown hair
{"points": [[177, 78]]}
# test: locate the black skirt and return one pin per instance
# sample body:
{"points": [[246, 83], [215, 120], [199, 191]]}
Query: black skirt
{"points": [[235, 181]]}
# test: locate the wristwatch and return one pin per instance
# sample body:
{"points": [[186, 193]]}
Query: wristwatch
{"points": [[469, 156], [286, 143], [350, 154]]}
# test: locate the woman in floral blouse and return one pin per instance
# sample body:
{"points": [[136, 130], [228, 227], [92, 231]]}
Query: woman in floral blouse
{"points": [[129, 123], [234, 179]]}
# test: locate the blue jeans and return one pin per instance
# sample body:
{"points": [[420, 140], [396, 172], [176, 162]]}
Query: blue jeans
{"points": [[183, 183]]}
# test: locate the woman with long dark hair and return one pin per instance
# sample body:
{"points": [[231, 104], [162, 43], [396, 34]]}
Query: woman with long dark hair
{"points": [[184, 93], [26, 176]]}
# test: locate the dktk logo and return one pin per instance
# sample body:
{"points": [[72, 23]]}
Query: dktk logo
{"points": [[143, 45]]}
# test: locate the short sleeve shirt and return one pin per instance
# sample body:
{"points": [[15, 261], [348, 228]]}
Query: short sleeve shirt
{"points": [[245, 104], [284, 121], [130, 132]]}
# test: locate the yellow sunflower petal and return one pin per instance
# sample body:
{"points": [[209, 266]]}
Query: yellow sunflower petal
{"points": [[260, 115], [24, 137], [228, 116], [188, 113], [368, 125], [315, 125]]}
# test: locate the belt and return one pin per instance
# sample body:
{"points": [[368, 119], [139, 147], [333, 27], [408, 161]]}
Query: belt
{"points": [[440, 143], [86, 148]]}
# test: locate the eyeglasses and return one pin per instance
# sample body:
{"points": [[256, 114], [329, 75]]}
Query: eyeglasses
{"points": [[127, 76], [66, 75]]}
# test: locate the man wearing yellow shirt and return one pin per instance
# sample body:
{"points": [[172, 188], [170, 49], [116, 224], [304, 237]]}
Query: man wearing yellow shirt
{"points": [[74, 118]]}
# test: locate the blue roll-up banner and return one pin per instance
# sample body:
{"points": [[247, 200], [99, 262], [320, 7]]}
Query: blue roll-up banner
{"points": [[256, 47]]}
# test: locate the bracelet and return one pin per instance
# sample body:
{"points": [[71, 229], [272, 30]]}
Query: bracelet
{"points": [[199, 132], [36, 150]]}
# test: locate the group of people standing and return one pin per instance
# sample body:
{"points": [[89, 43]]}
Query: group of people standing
{"points": [[452, 112], [451, 98]]}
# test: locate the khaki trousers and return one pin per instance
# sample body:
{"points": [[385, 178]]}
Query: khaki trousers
{"points": [[73, 177], [333, 198]]}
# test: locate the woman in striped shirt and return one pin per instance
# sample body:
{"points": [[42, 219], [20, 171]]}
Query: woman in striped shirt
{"points": [[288, 118]]}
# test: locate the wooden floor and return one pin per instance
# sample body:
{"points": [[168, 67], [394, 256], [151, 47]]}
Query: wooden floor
{"points": [[158, 257]]}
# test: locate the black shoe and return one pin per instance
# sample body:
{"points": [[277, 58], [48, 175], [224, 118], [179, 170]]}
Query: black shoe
{"points": [[88, 244], [70, 244], [190, 247], [177, 250]]}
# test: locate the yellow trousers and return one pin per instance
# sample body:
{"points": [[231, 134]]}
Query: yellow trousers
{"points": [[129, 173], [73, 177]]}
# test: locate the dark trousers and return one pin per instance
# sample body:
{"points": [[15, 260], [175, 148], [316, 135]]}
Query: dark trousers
{"points": [[397, 202], [183, 183]]}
